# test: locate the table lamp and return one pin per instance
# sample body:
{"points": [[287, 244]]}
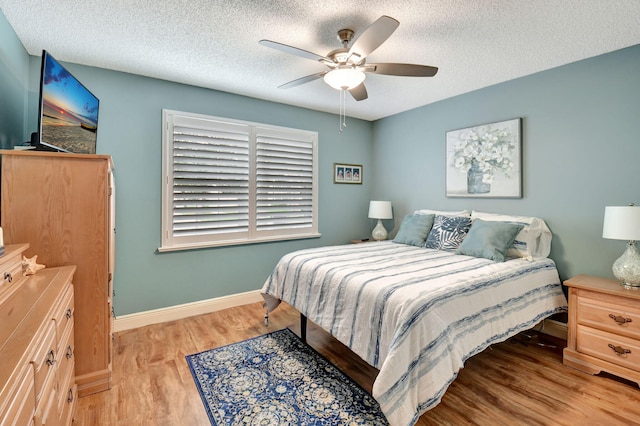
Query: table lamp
{"points": [[380, 210], [623, 223]]}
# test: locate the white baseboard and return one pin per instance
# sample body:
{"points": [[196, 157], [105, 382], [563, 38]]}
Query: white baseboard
{"points": [[554, 328], [172, 313]]}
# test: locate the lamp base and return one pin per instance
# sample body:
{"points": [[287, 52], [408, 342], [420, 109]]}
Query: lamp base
{"points": [[627, 267], [379, 233]]}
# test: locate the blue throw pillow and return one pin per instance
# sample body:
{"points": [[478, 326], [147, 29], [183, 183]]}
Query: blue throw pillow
{"points": [[448, 232], [489, 239], [414, 229]]}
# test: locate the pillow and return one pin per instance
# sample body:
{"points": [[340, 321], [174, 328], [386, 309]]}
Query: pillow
{"points": [[447, 232], [489, 239], [414, 229], [533, 241], [465, 213]]}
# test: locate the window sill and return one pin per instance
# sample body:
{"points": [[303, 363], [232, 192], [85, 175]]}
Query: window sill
{"points": [[195, 246]]}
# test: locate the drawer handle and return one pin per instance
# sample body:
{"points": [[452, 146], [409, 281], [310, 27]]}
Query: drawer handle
{"points": [[619, 350], [8, 277], [69, 313], [51, 358], [619, 319], [70, 396], [69, 352]]}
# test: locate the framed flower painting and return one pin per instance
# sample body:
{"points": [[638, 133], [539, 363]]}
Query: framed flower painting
{"points": [[485, 161]]}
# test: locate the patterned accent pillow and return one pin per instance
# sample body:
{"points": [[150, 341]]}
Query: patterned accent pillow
{"points": [[448, 232]]}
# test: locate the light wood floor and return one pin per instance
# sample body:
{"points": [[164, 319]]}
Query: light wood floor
{"points": [[510, 383]]}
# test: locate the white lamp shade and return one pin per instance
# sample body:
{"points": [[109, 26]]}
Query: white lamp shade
{"points": [[380, 210], [344, 78], [621, 223]]}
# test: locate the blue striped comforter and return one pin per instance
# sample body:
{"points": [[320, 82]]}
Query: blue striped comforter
{"points": [[415, 314]]}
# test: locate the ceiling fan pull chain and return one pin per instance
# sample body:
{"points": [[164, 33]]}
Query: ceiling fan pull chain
{"points": [[340, 112], [343, 110]]}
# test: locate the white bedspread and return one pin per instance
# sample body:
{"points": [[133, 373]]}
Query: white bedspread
{"points": [[415, 314]]}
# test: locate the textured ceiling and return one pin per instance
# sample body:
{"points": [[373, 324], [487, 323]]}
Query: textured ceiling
{"points": [[214, 44]]}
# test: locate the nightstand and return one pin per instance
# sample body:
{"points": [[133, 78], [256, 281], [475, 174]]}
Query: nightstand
{"points": [[603, 328]]}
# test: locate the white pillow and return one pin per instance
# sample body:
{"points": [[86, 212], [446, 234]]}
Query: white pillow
{"points": [[533, 241], [463, 213]]}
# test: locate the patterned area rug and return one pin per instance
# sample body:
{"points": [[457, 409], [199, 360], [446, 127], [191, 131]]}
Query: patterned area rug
{"points": [[276, 379]]}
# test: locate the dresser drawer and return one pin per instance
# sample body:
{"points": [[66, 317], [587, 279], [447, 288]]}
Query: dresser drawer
{"points": [[63, 314], [20, 406], [10, 274], [70, 403], [46, 409], [66, 397], [609, 313], [12, 312], [65, 358], [11, 269], [44, 357], [609, 347]]}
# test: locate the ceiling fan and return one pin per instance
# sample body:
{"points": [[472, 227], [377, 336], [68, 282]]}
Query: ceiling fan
{"points": [[347, 66]]}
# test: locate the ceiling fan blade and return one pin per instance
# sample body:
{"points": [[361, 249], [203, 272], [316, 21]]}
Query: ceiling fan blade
{"points": [[302, 80], [408, 70], [359, 92], [373, 37], [294, 51]]}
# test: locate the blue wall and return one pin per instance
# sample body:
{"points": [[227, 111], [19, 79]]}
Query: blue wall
{"points": [[130, 131], [581, 148], [14, 82]]}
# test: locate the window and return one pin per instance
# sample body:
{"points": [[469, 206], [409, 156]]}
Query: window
{"points": [[233, 182]]}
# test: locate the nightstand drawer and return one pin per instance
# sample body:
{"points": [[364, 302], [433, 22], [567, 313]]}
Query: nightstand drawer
{"points": [[609, 347], [608, 313]]}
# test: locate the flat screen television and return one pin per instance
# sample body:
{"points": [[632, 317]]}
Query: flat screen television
{"points": [[68, 113]]}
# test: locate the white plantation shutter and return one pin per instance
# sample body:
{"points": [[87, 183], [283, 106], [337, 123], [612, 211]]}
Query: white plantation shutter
{"points": [[232, 182], [284, 180], [210, 178]]}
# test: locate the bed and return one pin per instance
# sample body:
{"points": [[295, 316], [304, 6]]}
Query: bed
{"points": [[417, 313]]}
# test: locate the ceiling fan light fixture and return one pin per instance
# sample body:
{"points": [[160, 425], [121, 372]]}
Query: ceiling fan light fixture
{"points": [[344, 78]]}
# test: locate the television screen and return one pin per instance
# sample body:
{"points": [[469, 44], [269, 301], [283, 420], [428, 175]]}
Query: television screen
{"points": [[68, 119]]}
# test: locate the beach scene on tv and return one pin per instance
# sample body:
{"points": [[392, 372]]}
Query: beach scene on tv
{"points": [[69, 111]]}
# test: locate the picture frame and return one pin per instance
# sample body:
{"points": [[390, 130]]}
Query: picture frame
{"points": [[347, 173], [485, 161]]}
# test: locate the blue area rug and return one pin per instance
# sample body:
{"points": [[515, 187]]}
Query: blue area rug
{"points": [[276, 379]]}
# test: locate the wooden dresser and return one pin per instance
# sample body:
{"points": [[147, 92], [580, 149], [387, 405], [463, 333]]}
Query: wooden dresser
{"points": [[603, 328], [63, 205], [36, 343]]}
